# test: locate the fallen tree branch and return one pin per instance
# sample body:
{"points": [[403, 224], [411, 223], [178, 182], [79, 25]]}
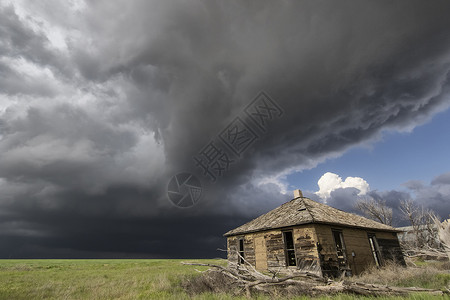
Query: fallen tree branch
{"points": [[252, 280], [376, 289]]}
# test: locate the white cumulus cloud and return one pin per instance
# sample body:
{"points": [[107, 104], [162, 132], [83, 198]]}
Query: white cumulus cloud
{"points": [[330, 182]]}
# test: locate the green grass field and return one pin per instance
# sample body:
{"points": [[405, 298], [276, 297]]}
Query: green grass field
{"points": [[93, 279], [111, 279]]}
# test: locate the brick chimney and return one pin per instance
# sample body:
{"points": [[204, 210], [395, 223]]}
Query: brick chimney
{"points": [[298, 194]]}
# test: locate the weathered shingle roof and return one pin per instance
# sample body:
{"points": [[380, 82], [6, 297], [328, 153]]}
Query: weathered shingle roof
{"points": [[303, 211]]}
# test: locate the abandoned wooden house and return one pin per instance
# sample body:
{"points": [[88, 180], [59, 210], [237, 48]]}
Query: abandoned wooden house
{"points": [[308, 235]]}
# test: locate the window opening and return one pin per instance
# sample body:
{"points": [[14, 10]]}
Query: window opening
{"points": [[289, 248]]}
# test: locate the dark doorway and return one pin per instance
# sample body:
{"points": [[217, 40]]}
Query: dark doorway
{"points": [[289, 248], [241, 251], [375, 249], [340, 248]]}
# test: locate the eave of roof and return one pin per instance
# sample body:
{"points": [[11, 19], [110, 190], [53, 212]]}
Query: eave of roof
{"points": [[395, 230]]}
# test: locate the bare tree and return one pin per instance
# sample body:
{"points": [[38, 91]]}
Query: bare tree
{"points": [[423, 223], [444, 234], [375, 209]]}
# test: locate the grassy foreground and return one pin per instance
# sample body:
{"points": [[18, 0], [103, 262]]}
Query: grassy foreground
{"points": [[114, 279], [93, 279]]}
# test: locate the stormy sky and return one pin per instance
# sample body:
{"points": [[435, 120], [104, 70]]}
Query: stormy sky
{"points": [[103, 102]]}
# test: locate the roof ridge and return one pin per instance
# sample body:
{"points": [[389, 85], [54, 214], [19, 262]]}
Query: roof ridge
{"points": [[308, 209]]}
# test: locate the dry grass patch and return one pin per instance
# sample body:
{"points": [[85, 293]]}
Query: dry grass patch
{"points": [[424, 282], [209, 282], [431, 276]]}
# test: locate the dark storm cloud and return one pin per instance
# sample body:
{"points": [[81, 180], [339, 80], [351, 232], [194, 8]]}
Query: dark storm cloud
{"points": [[17, 38], [20, 41], [12, 82], [139, 88]]}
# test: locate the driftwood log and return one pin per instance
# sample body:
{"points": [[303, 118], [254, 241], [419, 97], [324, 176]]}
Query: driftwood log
{"points": [[426, 252], [250, 280]]}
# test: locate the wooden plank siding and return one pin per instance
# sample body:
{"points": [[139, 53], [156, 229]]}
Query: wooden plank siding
{"points": [[271, 248], [315, 248], [249, 249], [232, 249], [305, 240], [275, 249], [357, 242], [260, 252], [390, 247]]}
